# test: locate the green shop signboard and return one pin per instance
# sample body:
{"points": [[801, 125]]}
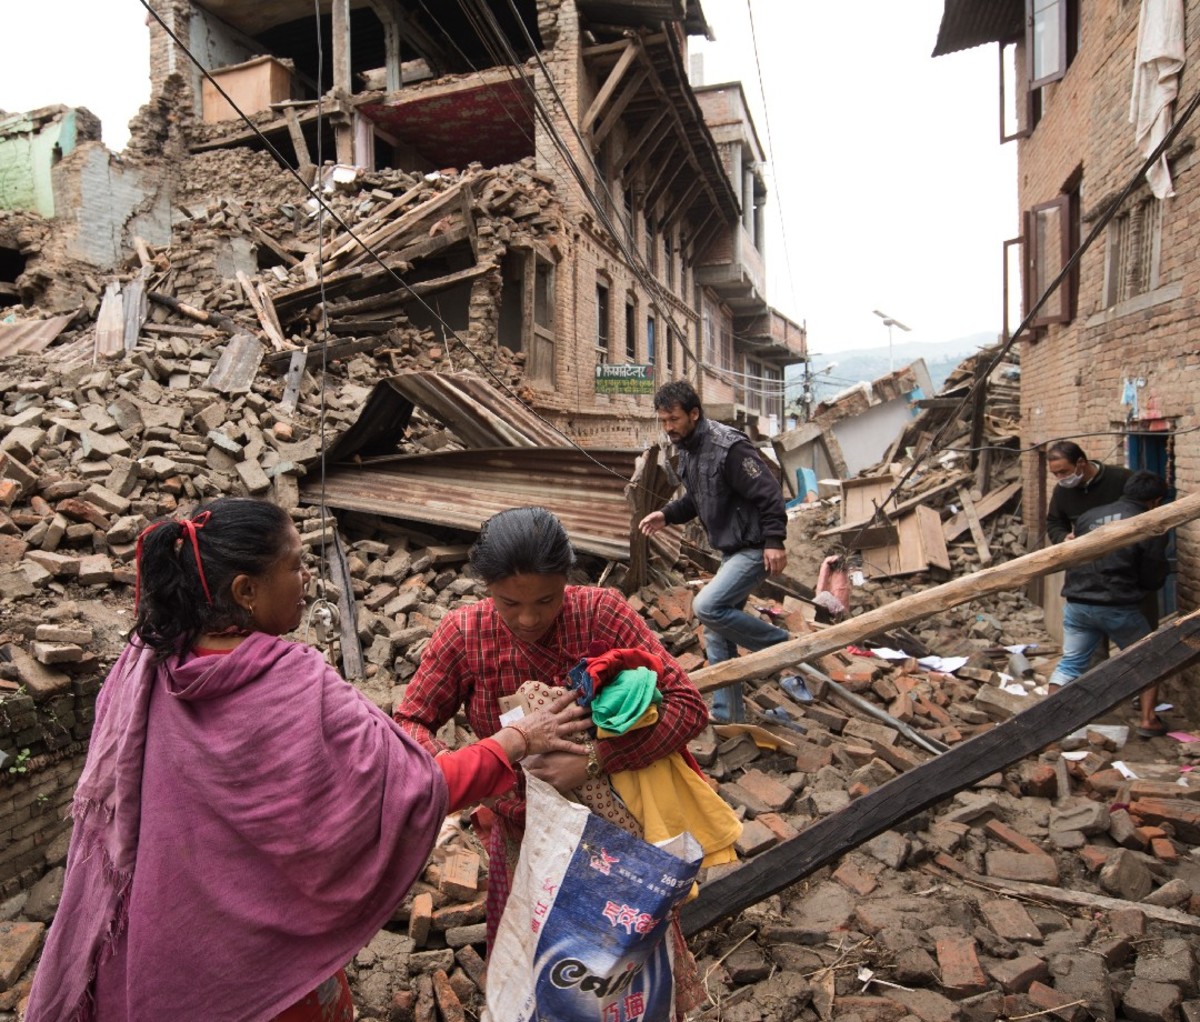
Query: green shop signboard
{"points": [[625, 378]]}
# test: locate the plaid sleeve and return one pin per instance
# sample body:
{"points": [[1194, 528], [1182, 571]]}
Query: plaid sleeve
{"points": [[682, 714], [439, 687]]}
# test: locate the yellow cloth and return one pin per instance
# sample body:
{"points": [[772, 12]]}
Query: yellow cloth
{"points": [[645, 720], [669, 797]]}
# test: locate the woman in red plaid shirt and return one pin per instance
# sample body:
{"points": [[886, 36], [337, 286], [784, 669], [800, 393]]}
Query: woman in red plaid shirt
{"points": [[536, 626]]}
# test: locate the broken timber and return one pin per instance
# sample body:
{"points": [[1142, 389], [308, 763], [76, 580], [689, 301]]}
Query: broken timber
{"points": [[1172, 648], [950, 594]]}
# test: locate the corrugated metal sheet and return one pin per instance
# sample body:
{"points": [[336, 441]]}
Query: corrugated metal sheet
{"points": [[470, 407], [461, 489], [33, 336], [968, 23]]}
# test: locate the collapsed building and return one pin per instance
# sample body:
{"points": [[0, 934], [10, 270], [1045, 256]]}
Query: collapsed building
{"points": [[216, 331]]}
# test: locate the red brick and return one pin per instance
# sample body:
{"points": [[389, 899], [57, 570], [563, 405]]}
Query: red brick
{"points": [[1037, 869], [1008, 919], [420, 918], [19, 942], [777, 825], [854, 878], [768, 789], [447, 1000], [1038, 780], [1046, 999], [1162, 848], [961, 973], [1016, 974], [1012, 838], [811, 757], [1094, 858]]}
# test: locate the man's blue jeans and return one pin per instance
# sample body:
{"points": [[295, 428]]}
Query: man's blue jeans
{"points": [[718, 606], [1086, 625]]}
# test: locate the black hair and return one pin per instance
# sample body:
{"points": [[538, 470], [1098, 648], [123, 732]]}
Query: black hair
{"points": [[1066, 450], [521, 541], [678, 392], [236, 536], [1144, 487]]}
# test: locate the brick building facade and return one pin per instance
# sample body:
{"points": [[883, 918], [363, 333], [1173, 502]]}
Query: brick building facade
{"points": [[1111, 359], [662, 264]]}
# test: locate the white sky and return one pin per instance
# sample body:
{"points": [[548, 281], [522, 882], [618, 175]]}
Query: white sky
{"points": [[894, 191]]}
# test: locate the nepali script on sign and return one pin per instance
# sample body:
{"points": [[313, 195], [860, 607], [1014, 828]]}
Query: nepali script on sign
{"points": [[625, 378]]}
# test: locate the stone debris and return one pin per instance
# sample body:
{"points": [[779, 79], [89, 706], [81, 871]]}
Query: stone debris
{"points": [[1063, 886]]}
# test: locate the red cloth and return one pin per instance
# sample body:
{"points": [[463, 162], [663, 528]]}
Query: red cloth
{"points": [[473, 660], [478, 771], [607, 666]]}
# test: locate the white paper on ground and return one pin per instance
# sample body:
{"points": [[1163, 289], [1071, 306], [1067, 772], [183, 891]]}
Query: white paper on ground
{"points": [[1119, 733]]}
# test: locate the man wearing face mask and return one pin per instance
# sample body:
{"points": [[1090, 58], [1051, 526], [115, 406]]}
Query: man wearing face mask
{"points": [[1081, 485]]}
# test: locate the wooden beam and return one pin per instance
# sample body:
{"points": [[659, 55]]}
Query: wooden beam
{"points": [[340, 29], [606, 92], [680, 205], [618, 106], [989, 504], [663, 184], [639, 142], [352, 654], [1061, 895], [1170, 649], [977, 534], [304, 163], [1002, 577]]}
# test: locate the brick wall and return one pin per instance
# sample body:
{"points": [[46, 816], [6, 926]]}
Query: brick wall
{"points": [[46, 741], [1073, 375]]}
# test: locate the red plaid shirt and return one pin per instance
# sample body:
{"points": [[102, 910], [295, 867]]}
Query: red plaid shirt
{"points": [[473, 660]]}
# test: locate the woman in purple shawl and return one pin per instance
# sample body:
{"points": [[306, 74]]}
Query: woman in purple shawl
{"points": [[246, 820]]}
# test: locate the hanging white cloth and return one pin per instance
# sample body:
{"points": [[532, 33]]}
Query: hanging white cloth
{"points": [[1157, 64]]}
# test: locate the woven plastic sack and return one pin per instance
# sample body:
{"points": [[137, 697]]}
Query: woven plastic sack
{"points": [[583, 934]]}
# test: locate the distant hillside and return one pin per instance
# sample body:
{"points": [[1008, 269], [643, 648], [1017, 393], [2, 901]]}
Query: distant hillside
{"points": [[866, 364]]}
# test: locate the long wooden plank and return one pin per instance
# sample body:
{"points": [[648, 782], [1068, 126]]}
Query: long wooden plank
{"points": [[977, 534], [1170, 649], [933, 543], [1010, 575], [987, 505], [1065, 896]]}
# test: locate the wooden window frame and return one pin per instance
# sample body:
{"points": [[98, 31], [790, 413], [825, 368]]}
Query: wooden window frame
{"points": [[1027, 113], [603, 322], [1062, 10], [631, 314], [1066, 291]]}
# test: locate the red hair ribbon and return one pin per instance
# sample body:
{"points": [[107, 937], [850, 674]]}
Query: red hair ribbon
{"points": [[190, 527]]}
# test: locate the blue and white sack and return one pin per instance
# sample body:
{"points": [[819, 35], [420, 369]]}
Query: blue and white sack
{"points": [[584, 936]]}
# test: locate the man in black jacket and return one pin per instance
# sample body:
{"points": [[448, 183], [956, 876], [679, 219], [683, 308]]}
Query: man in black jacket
{"points": [[730, 488], [1104, 597], [1080, 485]]}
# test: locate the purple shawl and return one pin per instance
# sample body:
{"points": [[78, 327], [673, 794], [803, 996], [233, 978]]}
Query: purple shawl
{"points": [[243, 826]]}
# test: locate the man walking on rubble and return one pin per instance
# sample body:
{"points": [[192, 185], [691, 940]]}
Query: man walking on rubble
{"points": [[740, 504], [1103, 598]]}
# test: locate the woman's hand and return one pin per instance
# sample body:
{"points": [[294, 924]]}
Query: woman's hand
{"points": [[548, 730], [564, 771]]}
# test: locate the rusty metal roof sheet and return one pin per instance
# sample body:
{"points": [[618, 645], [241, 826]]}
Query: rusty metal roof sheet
{"points": [[461, 489], [33, 336], [968, 23], [470, 407]]}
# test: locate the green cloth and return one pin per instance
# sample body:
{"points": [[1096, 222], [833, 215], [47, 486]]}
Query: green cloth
{"points": [[621, 703]]}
